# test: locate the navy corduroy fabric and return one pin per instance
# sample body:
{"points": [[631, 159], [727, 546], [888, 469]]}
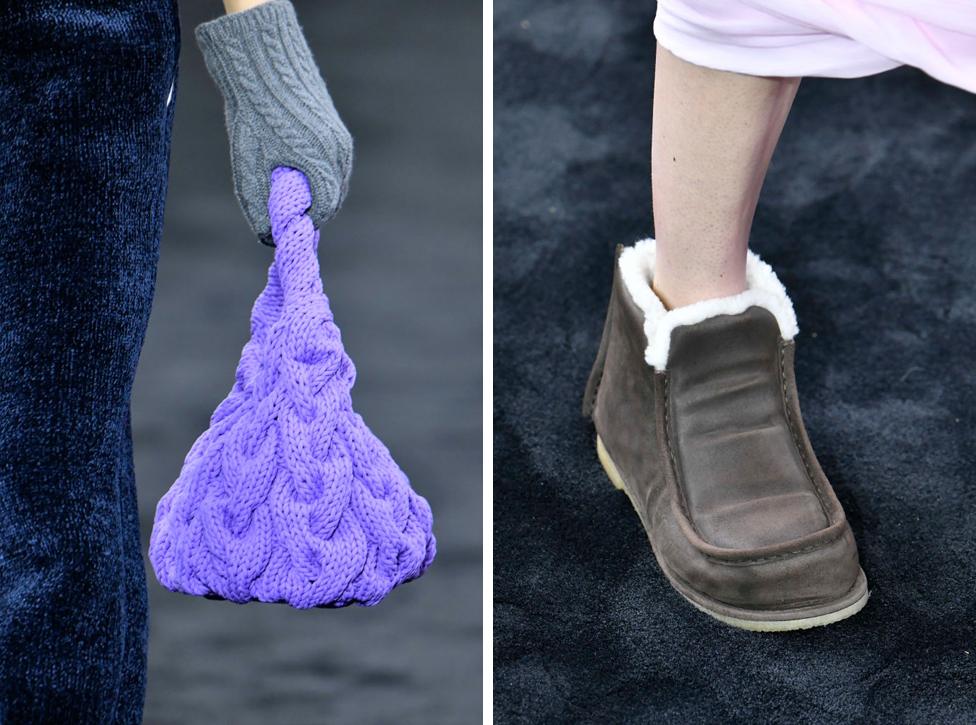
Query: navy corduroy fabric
{"points": [[85, 118]]}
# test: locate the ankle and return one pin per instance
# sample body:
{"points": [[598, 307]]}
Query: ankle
{"points": [[685, 293]]}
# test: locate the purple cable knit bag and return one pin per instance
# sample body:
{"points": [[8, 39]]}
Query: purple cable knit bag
{"points": [[288, 496]]}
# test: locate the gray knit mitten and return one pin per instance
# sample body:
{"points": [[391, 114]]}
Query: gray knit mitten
{"points": [[279, 112]]}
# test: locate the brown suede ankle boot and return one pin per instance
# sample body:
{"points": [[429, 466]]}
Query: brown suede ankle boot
{"points": [[697, 420]]}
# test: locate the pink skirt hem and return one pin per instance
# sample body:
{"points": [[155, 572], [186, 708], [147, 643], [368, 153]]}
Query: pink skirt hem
{"points": [[831, 38]]}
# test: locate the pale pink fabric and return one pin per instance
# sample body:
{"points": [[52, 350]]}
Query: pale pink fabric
{"points": [[836, 38]]}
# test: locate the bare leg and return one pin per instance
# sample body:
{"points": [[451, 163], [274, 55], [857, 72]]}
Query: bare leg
{"points": [[713, 136]]}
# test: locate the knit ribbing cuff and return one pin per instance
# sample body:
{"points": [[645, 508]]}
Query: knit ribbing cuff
{"points": [[234, 27]]}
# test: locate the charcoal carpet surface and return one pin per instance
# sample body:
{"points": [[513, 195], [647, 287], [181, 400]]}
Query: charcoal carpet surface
{"points": [[868, 217]]}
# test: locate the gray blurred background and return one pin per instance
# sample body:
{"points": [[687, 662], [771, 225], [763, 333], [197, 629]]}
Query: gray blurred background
{"points": [[402, 267]]}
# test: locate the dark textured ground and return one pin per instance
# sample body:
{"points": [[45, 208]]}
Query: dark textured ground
{"points": [[868, 216], [402, 267]]}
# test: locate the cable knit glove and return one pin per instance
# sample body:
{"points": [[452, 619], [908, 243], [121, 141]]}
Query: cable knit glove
{"points": [[278, 109]]}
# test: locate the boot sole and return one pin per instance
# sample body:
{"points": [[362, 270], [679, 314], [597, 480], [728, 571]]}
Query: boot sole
{"points": [[751, 620]]}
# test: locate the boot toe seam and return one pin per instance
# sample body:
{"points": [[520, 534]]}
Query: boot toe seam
{"points": [[793, 435]]}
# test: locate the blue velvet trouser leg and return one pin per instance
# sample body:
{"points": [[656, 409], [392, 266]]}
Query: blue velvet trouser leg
{"points": [[84, 147]]}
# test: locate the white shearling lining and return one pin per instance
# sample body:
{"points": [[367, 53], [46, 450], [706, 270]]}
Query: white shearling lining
{"points": [[763, 289]]}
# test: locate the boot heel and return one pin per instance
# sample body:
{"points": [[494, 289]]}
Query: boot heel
{"points": [[596, 372], [611, 470]]}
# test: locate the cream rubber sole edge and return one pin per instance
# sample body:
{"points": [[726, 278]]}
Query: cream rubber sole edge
{"points": [[752, 625]]}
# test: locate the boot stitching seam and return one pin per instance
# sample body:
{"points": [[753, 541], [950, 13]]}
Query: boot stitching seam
{"points": [[674, 464], [796, 442]]}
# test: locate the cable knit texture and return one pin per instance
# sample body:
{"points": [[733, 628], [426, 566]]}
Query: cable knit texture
{"points": [[279, 112], [288, 496]]}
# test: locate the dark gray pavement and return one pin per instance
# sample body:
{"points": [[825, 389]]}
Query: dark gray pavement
{"points": [[402, 267]]}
